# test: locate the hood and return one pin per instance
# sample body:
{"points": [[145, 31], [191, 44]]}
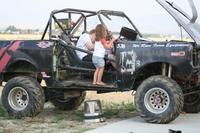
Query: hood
{"points": [[183, 19]]}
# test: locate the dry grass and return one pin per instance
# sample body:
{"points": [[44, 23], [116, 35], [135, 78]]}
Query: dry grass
{"points": [[20, 37]]}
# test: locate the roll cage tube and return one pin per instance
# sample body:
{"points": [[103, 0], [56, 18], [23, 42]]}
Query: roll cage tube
{"points": [[60, 26], [64, 44], [78, 24], [84, 14], [52, 16]]}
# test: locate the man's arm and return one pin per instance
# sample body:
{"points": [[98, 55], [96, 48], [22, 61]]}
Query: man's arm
{"points": [[90, 46]]}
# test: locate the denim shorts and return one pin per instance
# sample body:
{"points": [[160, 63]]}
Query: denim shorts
{"points": [[98, 61]]}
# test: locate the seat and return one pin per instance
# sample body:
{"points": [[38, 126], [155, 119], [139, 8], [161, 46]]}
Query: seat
{"points": [[72, 56]]}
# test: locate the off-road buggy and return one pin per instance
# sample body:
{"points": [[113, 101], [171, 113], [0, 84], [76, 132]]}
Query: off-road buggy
{"points": [[165, 75]]}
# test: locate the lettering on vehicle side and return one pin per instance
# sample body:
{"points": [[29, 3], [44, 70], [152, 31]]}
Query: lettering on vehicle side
{"points": [[155, 45], [121, 46], [177, 45], [179, 53], [158, 45]]}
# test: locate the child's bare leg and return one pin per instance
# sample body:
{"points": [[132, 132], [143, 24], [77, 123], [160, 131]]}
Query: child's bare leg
{"points": [[95, 76], [99, 76]]}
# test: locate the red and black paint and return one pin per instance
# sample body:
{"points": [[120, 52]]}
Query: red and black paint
{"points": [[6, 53]]}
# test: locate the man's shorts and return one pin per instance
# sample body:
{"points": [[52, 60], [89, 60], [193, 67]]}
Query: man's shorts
{"points": [[98, 61]]}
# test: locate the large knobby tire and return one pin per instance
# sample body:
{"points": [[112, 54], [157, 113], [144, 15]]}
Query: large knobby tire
{"points": [[192, 103], [23, 97], [69, 103], [159, 99]]}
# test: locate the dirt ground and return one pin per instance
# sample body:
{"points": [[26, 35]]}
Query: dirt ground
{"points": [[52, 120]]}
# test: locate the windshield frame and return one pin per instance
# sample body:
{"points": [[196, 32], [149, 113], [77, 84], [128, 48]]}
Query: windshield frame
{"points": [[117, 13]]}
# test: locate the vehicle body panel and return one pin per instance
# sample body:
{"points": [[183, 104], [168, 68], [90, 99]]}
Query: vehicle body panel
{"points": [[37, 53], [133, 56]]}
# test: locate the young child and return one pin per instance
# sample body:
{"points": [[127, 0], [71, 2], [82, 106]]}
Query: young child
{"points": [[99, 52]]}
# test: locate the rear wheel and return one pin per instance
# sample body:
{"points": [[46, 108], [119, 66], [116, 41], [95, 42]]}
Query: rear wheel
{"points": [[192, 103], [69, 103], [159, 99], [23, 97]]}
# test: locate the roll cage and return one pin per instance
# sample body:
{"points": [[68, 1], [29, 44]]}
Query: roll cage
{"points": [[82, 19]]}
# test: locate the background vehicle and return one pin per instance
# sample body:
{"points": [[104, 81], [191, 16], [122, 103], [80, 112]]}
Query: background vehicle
{"points": [[165, 75]]}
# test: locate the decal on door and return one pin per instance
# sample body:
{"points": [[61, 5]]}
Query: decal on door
{"points": [[128, 61], [44, 44]]}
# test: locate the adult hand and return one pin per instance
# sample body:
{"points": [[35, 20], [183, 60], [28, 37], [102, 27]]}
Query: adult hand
{"points": [[113, 40]]}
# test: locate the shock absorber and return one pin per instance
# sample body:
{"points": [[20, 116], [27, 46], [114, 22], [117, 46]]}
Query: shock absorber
{"points": [[170, 71], [164, 70]]}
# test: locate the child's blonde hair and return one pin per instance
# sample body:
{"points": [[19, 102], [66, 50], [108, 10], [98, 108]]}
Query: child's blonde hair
{"points": [[101, 32]]}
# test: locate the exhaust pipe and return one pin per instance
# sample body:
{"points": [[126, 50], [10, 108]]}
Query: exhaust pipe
{"points": [[194, 11]]}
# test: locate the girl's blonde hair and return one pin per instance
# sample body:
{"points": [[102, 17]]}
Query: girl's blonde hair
{"points": [[101, 32]]}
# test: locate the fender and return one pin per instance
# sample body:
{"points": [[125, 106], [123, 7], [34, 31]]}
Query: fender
{"points": [[20, 56], [10, 64]]}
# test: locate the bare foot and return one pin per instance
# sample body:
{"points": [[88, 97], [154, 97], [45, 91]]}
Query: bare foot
{"points": [[94, 83], [100, 83]]}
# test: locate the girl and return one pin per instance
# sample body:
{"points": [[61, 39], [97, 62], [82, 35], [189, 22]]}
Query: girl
{"points": [[99, 53]]}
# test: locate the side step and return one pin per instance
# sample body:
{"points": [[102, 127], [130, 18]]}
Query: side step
{"points": [[83, 85]]}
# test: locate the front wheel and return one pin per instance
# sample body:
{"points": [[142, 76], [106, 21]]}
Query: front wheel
{"points": [[159, 99]]}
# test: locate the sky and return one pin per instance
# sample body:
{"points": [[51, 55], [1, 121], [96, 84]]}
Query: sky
{"points": [[147, 15]]}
